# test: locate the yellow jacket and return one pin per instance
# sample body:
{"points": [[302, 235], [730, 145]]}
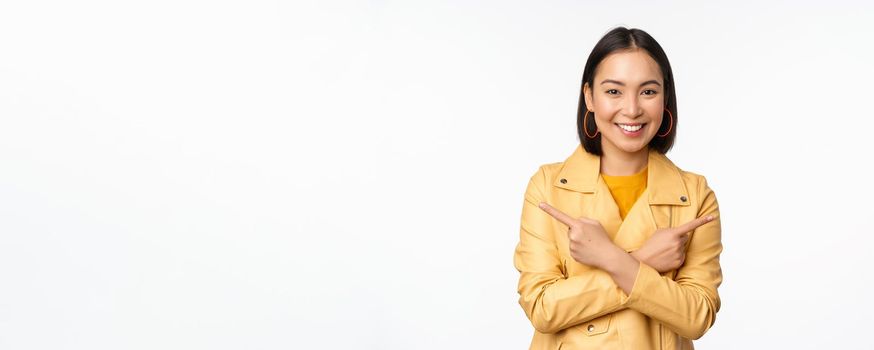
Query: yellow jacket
{"points": [[575, 306]]}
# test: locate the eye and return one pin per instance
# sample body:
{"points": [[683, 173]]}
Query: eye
{"points": [[612, 92], [650, 92]]}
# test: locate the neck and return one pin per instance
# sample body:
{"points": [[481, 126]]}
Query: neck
{"points": [[619, 163]]}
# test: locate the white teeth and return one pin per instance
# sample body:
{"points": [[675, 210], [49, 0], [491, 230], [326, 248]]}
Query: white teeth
{"points": [[630, 128]]}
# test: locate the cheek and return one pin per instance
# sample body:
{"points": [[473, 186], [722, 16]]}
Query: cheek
{"points": [[656, 113], [661, 119], [603, 122], [604, 114], [656, 120]]}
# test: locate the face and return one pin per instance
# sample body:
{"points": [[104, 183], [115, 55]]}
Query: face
{"points": [[627, 100]]}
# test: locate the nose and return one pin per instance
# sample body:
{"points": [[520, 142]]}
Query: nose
{"points": [[631, 106]]}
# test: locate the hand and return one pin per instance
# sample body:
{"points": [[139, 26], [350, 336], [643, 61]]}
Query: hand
{"points": [[588, 241], [665, 249]]}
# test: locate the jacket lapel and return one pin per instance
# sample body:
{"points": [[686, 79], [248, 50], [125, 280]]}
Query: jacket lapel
{"points": [[653, 210], [665, 188], [581, 173]]}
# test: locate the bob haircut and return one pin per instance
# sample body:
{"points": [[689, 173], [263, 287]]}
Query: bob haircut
{"points": [[624, 39]]}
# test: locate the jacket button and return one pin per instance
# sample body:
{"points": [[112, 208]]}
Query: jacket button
{"points": [[563, 181], [683, 198], [591, 328]]}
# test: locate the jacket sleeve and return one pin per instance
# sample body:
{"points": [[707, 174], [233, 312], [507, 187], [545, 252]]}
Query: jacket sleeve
{"points": [[688, 303], [550, 299]]}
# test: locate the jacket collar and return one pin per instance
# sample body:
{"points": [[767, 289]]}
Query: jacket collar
{"points": [[580, 173]]}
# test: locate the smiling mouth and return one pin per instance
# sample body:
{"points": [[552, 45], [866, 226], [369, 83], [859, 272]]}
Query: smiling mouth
{"points": [[630, 127]]}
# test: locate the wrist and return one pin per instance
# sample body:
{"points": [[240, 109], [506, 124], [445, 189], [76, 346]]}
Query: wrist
{"points": [[618, 260], [623, 270], [638, 254]]}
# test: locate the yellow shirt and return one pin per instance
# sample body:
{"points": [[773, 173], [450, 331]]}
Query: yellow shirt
{"points": [[626, 189]]}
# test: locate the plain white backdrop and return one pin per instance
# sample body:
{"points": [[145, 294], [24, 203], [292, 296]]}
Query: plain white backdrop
{"points": [[349, 175]]}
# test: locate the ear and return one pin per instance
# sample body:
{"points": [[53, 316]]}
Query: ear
{"points": [[587, 94]]}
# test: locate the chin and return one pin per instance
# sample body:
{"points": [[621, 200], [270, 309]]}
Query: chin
{"points": [[633, 148]]}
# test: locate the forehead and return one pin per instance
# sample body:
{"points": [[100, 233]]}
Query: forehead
{"points": [[629, 67]]}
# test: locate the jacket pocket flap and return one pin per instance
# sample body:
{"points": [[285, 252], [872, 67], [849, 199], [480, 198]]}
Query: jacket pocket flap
{"points": [[597, 326]]}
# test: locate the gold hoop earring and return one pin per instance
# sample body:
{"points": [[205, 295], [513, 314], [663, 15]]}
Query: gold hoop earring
{"points": [[671, 118], [586, 129]]}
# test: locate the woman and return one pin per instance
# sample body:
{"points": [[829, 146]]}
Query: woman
{"points": [[619, 248]]}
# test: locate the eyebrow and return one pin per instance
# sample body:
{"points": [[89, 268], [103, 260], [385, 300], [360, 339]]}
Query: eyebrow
{"points": [[605, 81]]}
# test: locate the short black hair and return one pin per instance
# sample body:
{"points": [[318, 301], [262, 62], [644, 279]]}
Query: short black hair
{"points": [[621, 39]]}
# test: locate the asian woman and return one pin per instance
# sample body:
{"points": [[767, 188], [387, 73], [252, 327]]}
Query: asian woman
{"points": [[619, 248]]}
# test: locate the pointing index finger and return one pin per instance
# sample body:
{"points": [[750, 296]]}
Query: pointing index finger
{"points": [[558, 214], [692, 225]]}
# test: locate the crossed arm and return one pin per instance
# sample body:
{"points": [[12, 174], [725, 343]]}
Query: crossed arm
{"points": [[687, 304]]}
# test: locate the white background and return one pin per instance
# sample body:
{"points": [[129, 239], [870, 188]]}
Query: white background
{"points": [[349, 175]]}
